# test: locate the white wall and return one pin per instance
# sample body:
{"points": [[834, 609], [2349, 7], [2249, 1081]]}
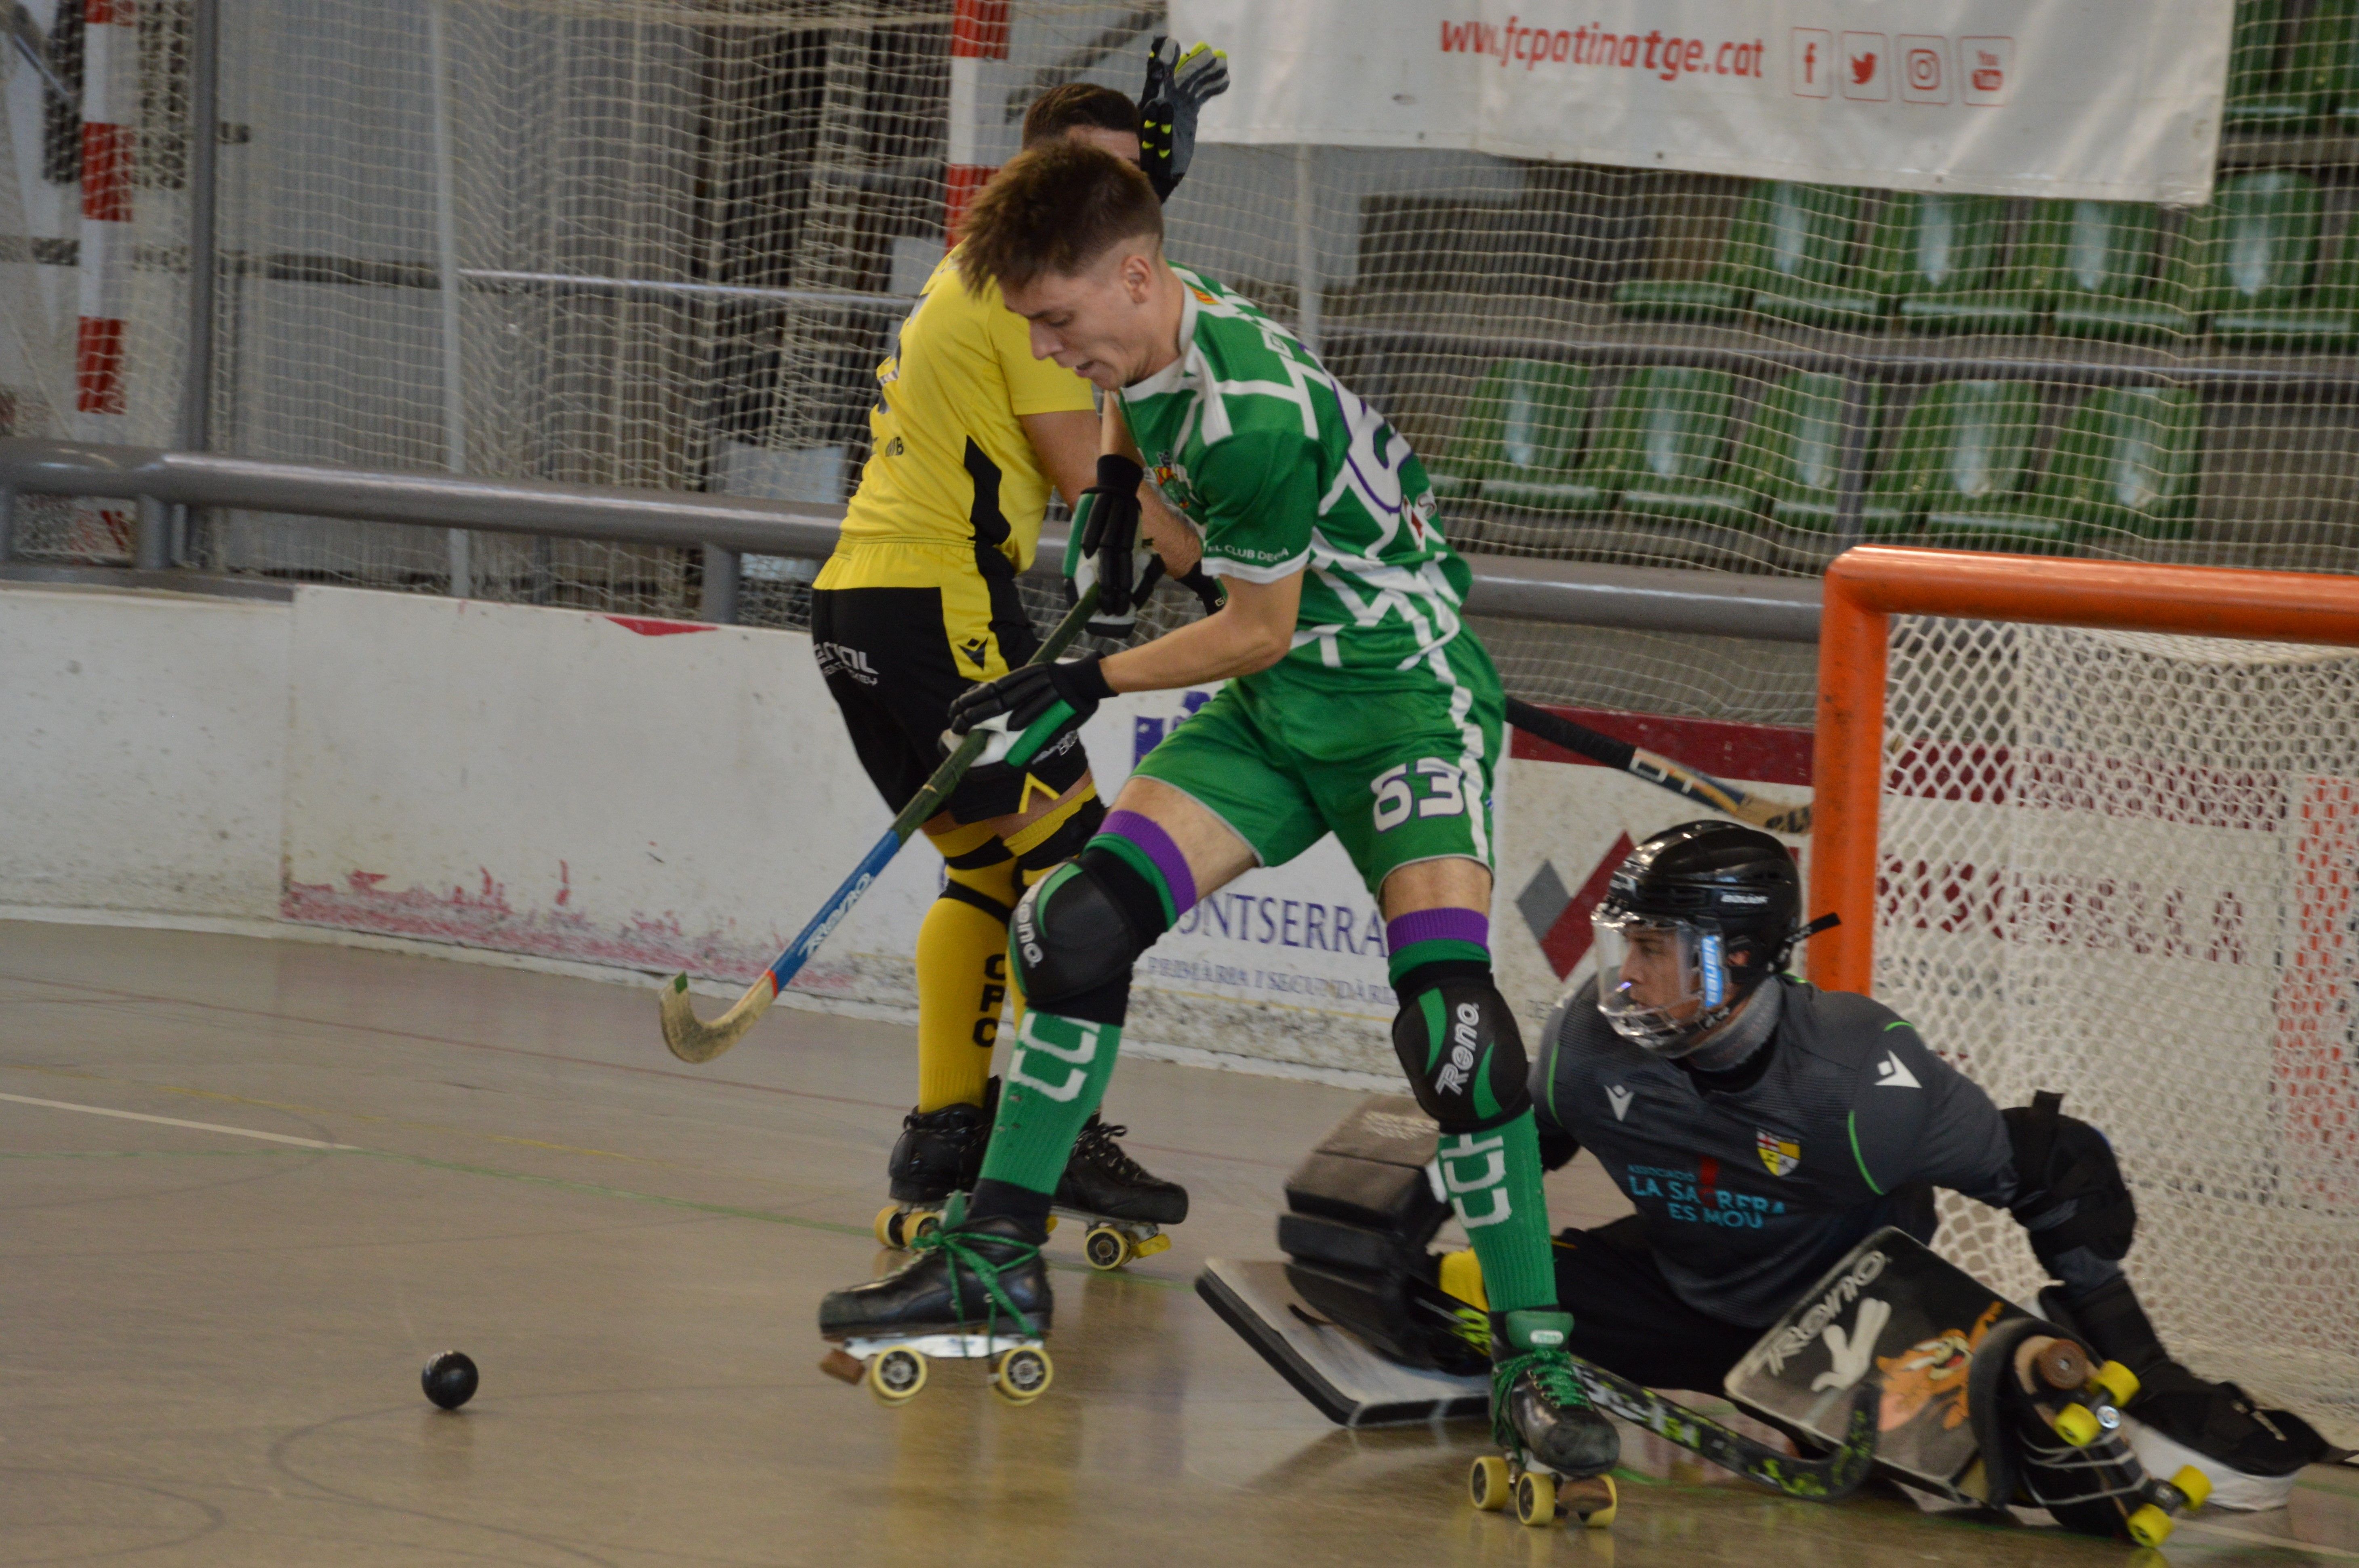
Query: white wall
{"points": [[145, 745], [648, 795]]}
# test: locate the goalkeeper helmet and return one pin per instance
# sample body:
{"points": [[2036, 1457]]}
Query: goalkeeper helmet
{"points": [[1692, 921]]}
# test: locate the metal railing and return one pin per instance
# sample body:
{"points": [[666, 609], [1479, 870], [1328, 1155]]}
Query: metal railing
{"points": [[726, 527]]}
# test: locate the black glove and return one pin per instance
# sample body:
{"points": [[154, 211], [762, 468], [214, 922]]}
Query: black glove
{"points": [[1206, 589], [1177, 86], [1029, 709], [1104, 548]]}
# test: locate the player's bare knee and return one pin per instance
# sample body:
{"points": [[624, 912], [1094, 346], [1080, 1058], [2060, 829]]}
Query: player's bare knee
{"points": [[1458, 1041]]}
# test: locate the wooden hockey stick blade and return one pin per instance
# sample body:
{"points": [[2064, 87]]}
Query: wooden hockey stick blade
{"points": [[695, 1042], [1789, 817], [690, 1038]]}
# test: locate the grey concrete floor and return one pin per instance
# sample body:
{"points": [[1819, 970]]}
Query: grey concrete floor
{"points": [[212, 1338]]}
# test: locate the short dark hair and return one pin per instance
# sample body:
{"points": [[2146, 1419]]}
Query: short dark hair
{"points": [[1055, 208], [1061, 109]]}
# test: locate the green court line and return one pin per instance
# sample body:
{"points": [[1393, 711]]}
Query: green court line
{"points": [[155, 1154], [595, 1189], [692, 1205]]}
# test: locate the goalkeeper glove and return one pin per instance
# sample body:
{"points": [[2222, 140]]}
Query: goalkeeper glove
{"points": [[1178, 85]]}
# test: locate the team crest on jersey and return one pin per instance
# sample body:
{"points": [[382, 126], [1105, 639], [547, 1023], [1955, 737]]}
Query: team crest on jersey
{"points": [[1171, 478], [1778, 1155]]}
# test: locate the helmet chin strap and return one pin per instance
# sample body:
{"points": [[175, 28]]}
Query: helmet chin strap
{"points": [[1732, 1043]]}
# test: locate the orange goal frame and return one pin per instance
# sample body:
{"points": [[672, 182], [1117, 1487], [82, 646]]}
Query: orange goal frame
{"points": [[1866, 587]]}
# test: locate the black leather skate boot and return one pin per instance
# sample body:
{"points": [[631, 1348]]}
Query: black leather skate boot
{"points": [[1538, 1406], [968, 1274], [1100, 1179], [940, 1152]]}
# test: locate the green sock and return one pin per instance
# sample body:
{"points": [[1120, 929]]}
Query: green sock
{"points": [[1055, 1079], [1494, 1181]]}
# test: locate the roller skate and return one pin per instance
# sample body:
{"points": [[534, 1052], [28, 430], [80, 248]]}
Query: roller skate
{"points": [[1557, 1446], [2047, 1418], [974, 1290], [940, 1152], [1124, 1206]]}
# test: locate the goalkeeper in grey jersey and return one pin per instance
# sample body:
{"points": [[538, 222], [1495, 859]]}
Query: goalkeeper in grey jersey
{"points": [[1763, 1128]]}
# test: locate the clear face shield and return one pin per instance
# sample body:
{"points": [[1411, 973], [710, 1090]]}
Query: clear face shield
{"points": [[1660, 982]]}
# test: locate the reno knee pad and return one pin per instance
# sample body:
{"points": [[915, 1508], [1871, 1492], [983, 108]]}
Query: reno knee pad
{"points": [[1458, 1042]]}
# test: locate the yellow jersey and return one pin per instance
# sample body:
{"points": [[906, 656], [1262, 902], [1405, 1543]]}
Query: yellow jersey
{"points": [[952, 466]]}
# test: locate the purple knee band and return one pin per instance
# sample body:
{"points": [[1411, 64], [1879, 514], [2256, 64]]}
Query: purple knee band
{"points": [[1438, 925], [1148, 835]]}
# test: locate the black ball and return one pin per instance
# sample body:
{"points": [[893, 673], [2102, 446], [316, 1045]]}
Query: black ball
{"points": [[450, 1379]]}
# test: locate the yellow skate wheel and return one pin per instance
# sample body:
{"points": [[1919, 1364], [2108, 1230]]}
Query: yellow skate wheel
{"points": [[1052, 1224], [2120, 1384], [1107, 1248], [1148, 1245], [1536, 1499], [2194, 1485], [1022, 1374], [896, 1375], [888, 1226], [2150, 1525], [1488, 1483], [2078, 1425]]}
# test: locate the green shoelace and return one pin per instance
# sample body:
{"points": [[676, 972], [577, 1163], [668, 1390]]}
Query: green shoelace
{"points": [[963, 1254], [1551, 1371]]}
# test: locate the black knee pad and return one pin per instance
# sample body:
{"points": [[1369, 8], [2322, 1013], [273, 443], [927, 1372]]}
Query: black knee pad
{"points": [[2062, 1160], [1074, 939], [1458, 1041]]}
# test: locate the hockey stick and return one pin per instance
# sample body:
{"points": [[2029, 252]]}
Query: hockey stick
{"points": [[1824, 1480], [1792, 818], [693, 1040]]}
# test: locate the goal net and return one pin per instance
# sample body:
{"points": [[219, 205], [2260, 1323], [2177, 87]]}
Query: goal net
{"points": [[664, 243], [2124, 866]]}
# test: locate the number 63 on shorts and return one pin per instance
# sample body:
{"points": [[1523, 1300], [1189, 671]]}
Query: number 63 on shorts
{"points": [[1430, 787]]}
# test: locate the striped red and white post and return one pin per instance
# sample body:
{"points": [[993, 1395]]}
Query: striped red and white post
{"points": [[978, 33], [110, 105]]}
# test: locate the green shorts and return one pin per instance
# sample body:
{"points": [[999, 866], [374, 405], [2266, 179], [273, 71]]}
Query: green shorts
{"points": [[1397, 776]]}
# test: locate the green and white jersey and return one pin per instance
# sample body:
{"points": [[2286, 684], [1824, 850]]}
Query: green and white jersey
{"points": [[1283, 469]]}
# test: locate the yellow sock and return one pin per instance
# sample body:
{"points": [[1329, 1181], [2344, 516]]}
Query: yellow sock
{"points": [[1040, 848], [963, 968]]}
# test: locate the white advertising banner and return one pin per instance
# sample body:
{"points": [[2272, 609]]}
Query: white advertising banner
{"points": [[346, 762], [2117, 100]]}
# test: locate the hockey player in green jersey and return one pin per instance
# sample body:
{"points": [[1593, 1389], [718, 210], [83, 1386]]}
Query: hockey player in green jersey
{"points": [[1357, 703]]}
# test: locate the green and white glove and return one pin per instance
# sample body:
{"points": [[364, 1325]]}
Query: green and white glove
{"points": [[1105, 548], [1024, 710], [1178, 85]]}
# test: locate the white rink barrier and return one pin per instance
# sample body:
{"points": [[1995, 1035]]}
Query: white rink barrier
{"points": [[659, 795]]}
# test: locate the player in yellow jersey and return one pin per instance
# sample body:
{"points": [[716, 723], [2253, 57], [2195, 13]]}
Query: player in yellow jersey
{"points": [[919, 601]]}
